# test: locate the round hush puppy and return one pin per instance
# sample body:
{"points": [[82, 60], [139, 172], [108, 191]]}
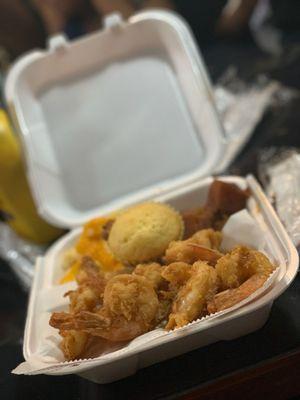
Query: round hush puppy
{"points": [[143, 232]]}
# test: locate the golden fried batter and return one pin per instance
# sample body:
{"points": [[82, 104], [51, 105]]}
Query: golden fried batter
{"points": [[203, 245], [152, 272], [88, 295], [177, 274], [240, 264], [91, 286], [73, 344], [207, 238], [190, 303], [129, 309], [230, 297], [121, 307]]}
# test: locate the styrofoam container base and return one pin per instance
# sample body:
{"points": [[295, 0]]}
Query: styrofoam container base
{"points": [[230, 330], [151, 348]]}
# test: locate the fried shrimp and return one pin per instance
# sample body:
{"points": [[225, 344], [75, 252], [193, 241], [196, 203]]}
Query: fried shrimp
{"points": [[91, 284], [240, 264], [206, 254], [230, 297], [190, 303], [152, 272], [73, 344], [87, 296], [165, 298], [242, 271], [89, 273], [177, 274], [129, 309], [83, 298], [203, 245], [207, 238]]}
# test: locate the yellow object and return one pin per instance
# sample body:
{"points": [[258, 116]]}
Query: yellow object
{"points": [[71, 273], [15, 197], [143, 232], [91, 244]]}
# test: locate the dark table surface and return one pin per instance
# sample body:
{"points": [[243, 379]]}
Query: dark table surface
{"points": [[185, 374]]}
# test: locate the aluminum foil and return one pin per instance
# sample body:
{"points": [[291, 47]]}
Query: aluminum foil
{"points": [[241, 106], [280, 170]]}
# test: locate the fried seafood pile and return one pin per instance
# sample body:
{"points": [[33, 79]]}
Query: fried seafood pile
{"points": [[190, 279]]}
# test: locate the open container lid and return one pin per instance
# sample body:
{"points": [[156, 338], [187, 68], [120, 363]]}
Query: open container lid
{"points": [[114, 118]]}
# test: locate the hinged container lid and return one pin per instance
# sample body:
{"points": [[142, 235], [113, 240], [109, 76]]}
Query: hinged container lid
{"points": [[116, 117]]}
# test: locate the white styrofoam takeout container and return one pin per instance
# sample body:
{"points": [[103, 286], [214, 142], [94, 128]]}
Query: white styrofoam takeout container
{"points": [[118, 117], [114, 118], [46, 297]]}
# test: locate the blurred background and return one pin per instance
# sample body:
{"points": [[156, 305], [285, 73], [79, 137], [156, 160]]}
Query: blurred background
{"points": [[26, 24]]}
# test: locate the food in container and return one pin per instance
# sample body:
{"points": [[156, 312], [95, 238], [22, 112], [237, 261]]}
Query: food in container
{"points": [[121, 359], [181, 281], [84, 162]]}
